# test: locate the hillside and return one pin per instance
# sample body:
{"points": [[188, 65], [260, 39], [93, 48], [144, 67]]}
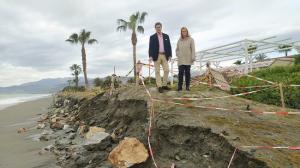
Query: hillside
{"points": [[50, 85], [42, 86]]}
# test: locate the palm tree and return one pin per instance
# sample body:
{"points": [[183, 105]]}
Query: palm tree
{"points": [[82, 38], [76, 70], [70, 82], [285, 49], [134, 24], [238, 62], [260, 57]]}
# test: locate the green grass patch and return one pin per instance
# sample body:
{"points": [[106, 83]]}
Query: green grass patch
{"points": [[286, 75]]}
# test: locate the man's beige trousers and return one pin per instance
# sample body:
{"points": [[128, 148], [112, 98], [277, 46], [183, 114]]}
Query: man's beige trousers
{"points": [[164, 62]]}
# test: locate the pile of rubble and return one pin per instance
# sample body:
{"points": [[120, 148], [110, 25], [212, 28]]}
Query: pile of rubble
{"points": [[77, 144]]}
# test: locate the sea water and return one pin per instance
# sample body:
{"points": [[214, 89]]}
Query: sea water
{"points": [[7, 100]]}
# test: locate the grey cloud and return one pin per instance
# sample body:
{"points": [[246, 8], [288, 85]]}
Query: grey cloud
{"points": [[33, 32]]}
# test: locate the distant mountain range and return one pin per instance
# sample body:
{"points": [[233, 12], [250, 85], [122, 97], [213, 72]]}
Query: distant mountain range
{"points": [[50, 85], [41, 86]]}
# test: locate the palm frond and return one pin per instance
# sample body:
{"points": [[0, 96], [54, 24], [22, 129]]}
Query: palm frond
{"points": [[73, 38], [142, 17], [121, 28], [82, 32], [92, 41], [84, 36], [132, 25], [71, 41], [122, 22], [134, 18], [133, 22], [81, 40], [74, 67], [87, 35], [122, 25], [140, 29], [78, 70], [137, 15], [81, 36], [284, 48]]}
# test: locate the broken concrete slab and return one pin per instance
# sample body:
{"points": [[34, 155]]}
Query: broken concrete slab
{"points": [[94, 130]]}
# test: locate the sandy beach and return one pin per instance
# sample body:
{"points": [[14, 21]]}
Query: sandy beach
{"points": [[21, 150]]}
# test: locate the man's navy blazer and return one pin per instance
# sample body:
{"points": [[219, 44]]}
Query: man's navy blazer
{"points": [[154, 46]]}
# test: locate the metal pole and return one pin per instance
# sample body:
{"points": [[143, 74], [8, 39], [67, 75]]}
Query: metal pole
{"points": [[241, 41], [223, 45], [251, 63], [200, 63], [273, 43], [245, 46]]}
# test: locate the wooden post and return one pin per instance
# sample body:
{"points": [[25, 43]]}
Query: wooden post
{"points": [[138, 70], [282, 97], [210, 78], [136, 80], [136, 75], [209, 74]]}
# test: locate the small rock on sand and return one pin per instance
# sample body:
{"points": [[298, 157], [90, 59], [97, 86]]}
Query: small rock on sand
{"points": [[22, 130]]}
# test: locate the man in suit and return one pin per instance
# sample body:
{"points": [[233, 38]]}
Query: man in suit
{"points": [[160, 52]]}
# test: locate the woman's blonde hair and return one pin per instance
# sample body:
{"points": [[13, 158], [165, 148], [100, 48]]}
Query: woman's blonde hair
{"points": [[184, 28]]}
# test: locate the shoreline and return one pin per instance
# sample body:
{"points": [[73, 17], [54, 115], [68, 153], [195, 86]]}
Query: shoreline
{"points": [[22, 99], [23, 150]]}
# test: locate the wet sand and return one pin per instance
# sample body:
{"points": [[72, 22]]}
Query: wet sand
{"points": [[21, 150]]}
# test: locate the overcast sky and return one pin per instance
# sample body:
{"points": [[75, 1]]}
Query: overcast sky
{"points": [[33, 32]]}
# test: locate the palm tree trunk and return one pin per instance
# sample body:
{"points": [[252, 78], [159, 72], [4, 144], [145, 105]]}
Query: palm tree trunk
{"points": [[76, 80], [286, 53], [134, 41], [134, 60], [84, 66], [136, 77]]}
